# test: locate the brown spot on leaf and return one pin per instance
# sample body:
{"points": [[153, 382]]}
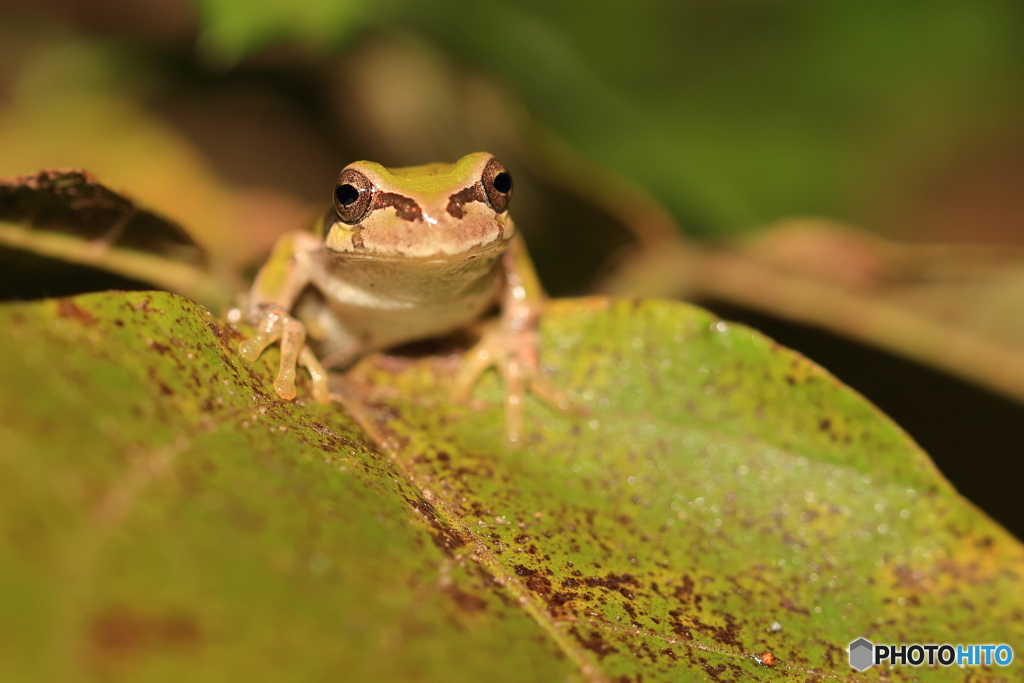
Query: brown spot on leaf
{"points": [[535, 581], [787, 604], [467, 602], [624, 584], [684, 592], [67, 308], [444, 537], [159, 348], [119, 634], [715, 672], [558, 601], [593, 642]]}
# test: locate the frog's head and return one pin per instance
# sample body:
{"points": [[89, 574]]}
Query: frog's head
{"points": [[422, 212]]}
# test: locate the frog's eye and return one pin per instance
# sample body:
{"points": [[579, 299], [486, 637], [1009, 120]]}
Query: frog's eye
{"points": [[497, 183], [353, 196]]}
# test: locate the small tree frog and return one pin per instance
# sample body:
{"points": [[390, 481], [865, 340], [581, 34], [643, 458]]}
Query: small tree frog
{"points": [[405, 254]]}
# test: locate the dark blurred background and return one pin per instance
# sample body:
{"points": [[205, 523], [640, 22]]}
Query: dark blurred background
{"points": [[693, 128]]}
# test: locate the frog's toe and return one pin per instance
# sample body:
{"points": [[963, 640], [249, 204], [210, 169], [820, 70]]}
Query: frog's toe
{"points": [[515, 374], [548, 391], [474, 364], [268, 330], [251, 348], [293, 339], [284, 385], [321, 390]]}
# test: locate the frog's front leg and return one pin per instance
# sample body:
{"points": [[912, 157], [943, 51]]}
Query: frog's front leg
{"points": [[512, 345], [277, 286]]}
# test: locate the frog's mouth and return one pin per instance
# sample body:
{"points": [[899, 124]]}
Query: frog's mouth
{"points": [[438, 258], [419, 240]]}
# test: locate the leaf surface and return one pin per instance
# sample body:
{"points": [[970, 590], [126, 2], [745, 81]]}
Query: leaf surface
{"points": [[163, 515]]}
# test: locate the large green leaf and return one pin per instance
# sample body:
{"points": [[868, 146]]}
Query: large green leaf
{"points": [[164, 517]]}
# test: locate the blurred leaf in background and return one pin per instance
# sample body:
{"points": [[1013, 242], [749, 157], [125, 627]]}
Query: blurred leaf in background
{"points": [[231, 30], [733, 115]]}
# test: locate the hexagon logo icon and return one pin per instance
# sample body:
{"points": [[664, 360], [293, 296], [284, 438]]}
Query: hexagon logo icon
{"points": [[862, 654]]}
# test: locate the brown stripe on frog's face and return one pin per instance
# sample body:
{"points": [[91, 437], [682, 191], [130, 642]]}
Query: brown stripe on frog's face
{"points": [[406, 208], [457, 202]]}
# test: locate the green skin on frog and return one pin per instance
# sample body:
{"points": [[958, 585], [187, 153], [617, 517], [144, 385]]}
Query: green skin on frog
{"points": [[406, 254]]}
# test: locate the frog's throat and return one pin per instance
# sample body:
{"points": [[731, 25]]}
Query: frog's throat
{"points": [[380, 284]]}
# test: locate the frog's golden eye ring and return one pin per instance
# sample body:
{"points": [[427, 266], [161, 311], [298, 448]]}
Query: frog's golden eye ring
{"points": [[353, 196], [497, 182]]}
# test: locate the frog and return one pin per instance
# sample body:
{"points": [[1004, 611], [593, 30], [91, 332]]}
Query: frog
{"points": [[405, 254]]}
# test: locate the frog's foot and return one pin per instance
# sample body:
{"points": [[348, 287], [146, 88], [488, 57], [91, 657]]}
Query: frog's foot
{"points": [[514, 354], [277, 326]]}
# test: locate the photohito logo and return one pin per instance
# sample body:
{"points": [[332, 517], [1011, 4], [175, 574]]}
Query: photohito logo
{"points": [[865, 654]]}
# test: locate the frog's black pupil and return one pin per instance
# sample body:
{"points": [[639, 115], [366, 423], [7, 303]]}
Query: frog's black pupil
{"points": [[503, 182], [346, 194]]}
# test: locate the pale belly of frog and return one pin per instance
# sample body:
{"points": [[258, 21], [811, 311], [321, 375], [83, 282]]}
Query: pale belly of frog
{"points": [[340, 333]]}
